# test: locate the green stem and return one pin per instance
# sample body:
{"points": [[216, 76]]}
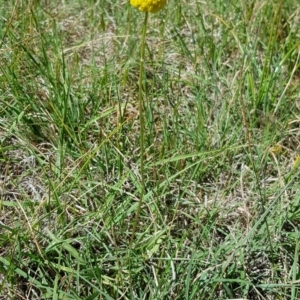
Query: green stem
{"points": [[142, 125]]}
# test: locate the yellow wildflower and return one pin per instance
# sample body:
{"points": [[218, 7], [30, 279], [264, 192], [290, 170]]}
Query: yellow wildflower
{"points": [[152, 6]]}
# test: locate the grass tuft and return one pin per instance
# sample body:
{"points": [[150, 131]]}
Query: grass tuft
{"points": [[220, 211]]}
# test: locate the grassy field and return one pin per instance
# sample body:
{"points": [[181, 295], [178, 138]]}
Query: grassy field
{"points": [[220, 213]]}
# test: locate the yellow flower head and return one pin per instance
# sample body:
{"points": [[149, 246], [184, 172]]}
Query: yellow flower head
{"points": [[152, 6]]}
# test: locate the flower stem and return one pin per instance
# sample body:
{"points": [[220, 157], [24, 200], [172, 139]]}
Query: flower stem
{"points": [[142, 128]]}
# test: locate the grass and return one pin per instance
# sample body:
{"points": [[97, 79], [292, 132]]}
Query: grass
{"points": [[221, 207]]}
